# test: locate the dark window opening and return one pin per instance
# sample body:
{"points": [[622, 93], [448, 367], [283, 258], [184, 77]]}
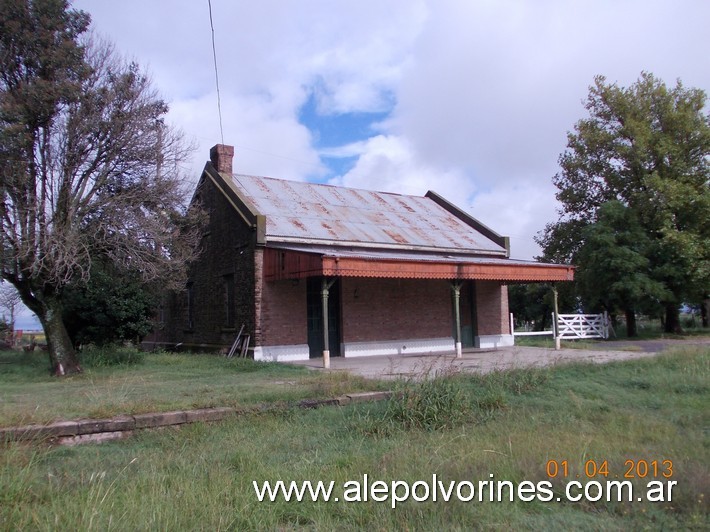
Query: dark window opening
{"points": [[190, 295], [229, 300]]}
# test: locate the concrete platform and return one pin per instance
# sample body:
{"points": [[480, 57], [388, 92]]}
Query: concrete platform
{"points": [[482, 361]]}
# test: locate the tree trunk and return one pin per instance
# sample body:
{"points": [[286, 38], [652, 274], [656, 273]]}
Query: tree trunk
{"points": [[672, 323], [705, 310], [630, 323], [62, 355], [540, 326]]}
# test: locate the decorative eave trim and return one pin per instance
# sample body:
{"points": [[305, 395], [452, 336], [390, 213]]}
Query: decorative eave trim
{"points": [[280, 264]]}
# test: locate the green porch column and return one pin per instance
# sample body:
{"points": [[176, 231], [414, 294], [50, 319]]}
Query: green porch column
{"points": [[325, 292], [456, 292]]}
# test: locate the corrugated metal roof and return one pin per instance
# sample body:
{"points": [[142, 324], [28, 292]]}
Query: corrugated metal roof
{"points": [[328, 251], [299, 212]]}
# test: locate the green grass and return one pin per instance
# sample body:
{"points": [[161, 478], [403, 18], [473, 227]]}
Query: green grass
{"points": [[549, 342], [646, 331], [511, 423], [590, 344], [646, 328], [121, 382]]}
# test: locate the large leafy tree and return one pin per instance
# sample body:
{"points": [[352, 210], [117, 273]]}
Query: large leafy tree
{"points": [[614, 269], [646, 147], [88, 166]]}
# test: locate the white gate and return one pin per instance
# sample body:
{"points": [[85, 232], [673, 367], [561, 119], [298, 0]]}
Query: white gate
{"points": [[571, 326]]}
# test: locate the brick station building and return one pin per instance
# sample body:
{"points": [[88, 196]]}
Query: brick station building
{"points": [[299, 265]]}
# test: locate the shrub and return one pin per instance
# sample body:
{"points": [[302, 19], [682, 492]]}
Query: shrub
{"points": [[112, 306]]}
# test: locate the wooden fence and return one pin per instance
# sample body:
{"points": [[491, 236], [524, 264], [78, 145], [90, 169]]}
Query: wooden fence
{"points": [[572, 326]]}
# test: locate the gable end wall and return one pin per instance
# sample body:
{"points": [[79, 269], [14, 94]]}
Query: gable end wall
{"points": [[228, 249]]}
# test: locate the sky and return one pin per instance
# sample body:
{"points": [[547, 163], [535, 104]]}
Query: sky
{"points": [[470, 98]]}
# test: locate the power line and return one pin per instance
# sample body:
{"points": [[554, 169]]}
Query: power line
{"points": [[216, 75]]}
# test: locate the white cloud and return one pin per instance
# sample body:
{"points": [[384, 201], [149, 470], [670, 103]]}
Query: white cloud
{"points": [[483, 92], [266, 140], [516, 209], [388, 163], [496, 85]]}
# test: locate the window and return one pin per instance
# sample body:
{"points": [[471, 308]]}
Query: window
{"points": [[190, 301], [229, 300], [161, 313]]}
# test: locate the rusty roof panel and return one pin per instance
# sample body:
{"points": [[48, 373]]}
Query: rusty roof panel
{"points": [[297, 211], [394, 255]]}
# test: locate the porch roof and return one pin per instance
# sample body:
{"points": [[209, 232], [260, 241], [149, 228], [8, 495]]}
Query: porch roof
{"points": [[297, 262]]}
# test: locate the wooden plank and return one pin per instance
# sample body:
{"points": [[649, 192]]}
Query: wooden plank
{"points": [[233, 349], [245, 346]]}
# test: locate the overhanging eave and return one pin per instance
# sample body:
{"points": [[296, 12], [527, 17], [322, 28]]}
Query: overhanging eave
{"points": [[298, 264]]}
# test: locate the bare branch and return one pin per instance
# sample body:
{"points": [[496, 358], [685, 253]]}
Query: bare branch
{"points": [[88, 166]]}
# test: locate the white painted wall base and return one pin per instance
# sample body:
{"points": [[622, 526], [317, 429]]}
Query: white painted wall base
{"points": [[281, 353], [287, 353], [399, 347], [494, 341]]}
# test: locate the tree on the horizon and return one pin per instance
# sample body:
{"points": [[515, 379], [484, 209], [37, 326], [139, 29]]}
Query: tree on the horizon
{"points": [[10, 302], [88, 166], [646, 149]]}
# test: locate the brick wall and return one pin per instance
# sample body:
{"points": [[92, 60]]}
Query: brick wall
{"points": [[227, 256], [492, 308], [274, 312], [282, 313], [395, 309]]}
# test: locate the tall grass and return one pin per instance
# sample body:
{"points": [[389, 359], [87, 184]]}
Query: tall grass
{"points": [[111, 355], [448, 398], [123, 381], [200, 476]]}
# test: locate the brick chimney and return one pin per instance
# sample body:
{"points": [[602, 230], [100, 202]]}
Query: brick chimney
{"points": [[221, 156]]}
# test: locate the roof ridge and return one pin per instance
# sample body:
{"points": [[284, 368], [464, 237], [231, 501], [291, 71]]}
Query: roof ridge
{"points": [[359, 189]]}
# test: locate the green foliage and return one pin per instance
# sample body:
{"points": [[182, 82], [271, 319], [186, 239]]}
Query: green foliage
{"points": [[111, 355], [644, 153], [531, 303], [534, 303], [112, 306], [42, 60], [614, 266]]}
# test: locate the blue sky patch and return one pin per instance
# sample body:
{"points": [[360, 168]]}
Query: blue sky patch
{"points": [[336, 130]]}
